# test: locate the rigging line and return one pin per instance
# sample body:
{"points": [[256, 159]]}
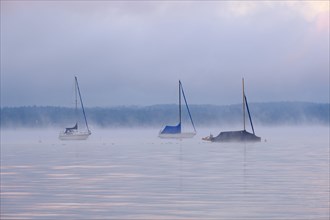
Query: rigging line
{"points": [[76, 102], [184, 97], [243, 104], [82, 105], [180, 102], [248, 110]]}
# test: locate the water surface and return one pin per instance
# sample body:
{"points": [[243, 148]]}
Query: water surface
{"points": [[131, 174]]}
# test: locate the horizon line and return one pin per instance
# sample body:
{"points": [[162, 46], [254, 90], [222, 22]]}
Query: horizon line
{"points": [[168, 104]]}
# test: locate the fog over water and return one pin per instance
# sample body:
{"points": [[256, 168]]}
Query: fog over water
{"points": [[132, 174]]}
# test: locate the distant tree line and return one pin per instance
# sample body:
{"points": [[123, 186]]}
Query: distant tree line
{"points": [[272, 113]]}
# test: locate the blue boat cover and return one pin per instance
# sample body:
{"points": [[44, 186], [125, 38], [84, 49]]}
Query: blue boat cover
{"points": [[172, 129]]}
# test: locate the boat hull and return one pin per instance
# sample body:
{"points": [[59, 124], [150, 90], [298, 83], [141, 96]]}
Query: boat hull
{"points": [[235, 136], [178, 135], [74, 136]]}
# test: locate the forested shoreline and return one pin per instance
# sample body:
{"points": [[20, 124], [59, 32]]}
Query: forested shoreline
{"points": [[272, 113]]}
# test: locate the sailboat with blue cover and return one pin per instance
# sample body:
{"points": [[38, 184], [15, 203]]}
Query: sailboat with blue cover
{"points": [[176, 130], [237, 136], [73, 133]]}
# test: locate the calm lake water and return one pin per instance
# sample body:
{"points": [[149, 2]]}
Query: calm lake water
{"points": [[132, 174]]}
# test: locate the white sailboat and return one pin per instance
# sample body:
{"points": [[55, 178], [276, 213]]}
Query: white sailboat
{"points": [[175, 131], [74, 133]]}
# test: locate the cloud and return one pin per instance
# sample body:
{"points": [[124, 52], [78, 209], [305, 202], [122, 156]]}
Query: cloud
{"points": [[311, 9], [135, 52]]}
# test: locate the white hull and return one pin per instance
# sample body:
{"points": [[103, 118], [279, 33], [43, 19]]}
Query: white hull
{"points": [[178, 136], [74, 136]]}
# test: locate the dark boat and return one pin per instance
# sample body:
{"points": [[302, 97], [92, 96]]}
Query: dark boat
{"points": [[237, 136]]}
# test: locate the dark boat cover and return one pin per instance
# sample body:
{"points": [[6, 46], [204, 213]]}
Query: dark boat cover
{"points": [[235, 136], [69, 130], [172, 129]]}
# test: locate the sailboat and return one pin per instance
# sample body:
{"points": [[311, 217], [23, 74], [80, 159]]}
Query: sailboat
{"points": [[175, 131], [237, 136], [73, 133]]}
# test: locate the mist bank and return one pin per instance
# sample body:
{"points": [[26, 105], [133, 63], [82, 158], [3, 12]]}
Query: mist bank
{"points": [[271, 113]]}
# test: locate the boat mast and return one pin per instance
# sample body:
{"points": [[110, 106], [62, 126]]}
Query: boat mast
{"points": [[76, 101], [180, 102], [243, 103], [82, 105]]}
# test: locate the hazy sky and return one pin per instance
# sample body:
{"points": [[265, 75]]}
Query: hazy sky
{"points": [[134, 52]]}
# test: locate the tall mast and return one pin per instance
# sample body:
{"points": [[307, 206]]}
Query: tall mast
{"points": [[76, 100], [81, 102], [180, 101], [243, 103]]}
